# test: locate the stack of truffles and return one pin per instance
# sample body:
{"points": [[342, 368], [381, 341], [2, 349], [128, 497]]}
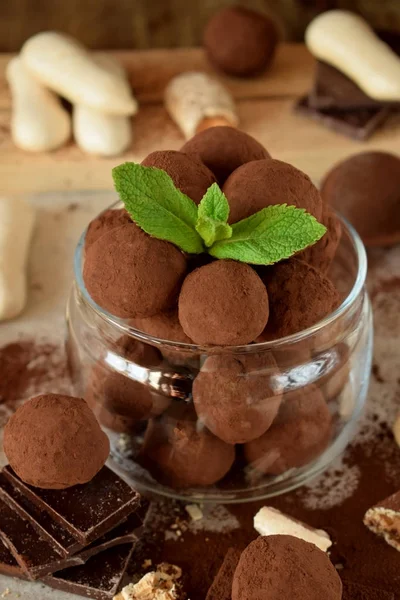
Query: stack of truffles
{"points": [[238, 402], [65, 518], [355, 91], [53, 65]]}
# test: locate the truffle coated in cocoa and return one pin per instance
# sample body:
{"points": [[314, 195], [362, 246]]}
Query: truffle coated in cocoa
{"points": [[283, 567], [240, 41], [107, 418], [119, 394], [187, 171], [234, 396], [299, 297], [223, 303], [130, 274], [300, 433], [106, 221], [183, 454], [321, 254], [166, 326], [224, 149], [365, 188], [258, 184], [55, 442]]}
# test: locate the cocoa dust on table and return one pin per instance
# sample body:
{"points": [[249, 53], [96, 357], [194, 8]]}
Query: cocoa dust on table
{"points": [[359, 555], [26, 366]]}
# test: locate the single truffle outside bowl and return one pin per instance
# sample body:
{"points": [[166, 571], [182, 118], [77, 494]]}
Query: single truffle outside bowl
{"points": [[226, 424]]}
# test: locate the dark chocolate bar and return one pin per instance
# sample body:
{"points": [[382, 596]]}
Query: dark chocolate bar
{"points": [[38, 558], [358, 591], [56, 535], [35, 556], [333, 90], [221, 587], [86, 511], [8, 564], [356, 124], [100, 578]]}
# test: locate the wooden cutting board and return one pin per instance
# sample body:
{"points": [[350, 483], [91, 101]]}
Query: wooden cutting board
{"points": [[265, 109]]}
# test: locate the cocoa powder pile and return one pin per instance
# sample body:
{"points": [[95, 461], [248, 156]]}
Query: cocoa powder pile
{"points": [[26, 367]]}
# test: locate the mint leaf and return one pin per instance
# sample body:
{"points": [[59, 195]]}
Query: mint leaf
{"points": [[273, 234], [214, 204], [212, 231], [213, 213], [157, 206]]}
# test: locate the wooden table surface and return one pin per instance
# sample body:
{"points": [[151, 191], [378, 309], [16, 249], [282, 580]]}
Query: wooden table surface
{"points": [[265, 108]]}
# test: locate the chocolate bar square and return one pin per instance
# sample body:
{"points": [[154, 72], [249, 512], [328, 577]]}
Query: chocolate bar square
{"points": [[100, 578], [357, 124], [85, 511]]}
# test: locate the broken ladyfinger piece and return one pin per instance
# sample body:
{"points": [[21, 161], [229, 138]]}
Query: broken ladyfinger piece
{"points": [[99, 133], [17, 219], [66, 67], [197, 101], [271, 521], [384, 520], [396, 430]]}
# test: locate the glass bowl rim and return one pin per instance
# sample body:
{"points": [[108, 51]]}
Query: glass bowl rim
{"points": [[294, 338]]}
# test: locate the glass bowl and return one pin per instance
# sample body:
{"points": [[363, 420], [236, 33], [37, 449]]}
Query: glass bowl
{"points": [[226, 424]]}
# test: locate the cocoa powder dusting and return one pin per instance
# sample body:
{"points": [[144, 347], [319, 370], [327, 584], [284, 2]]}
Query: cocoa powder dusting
{"points": [[27, 367]]}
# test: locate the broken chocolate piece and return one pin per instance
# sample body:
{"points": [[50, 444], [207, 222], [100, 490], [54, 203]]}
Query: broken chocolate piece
{"points": [[34, 555], [357, 124], [357, 591], [86, 511], [384, 520], [54, 533], [221, 587], [8, 564], [37, 558], [100, 578]]}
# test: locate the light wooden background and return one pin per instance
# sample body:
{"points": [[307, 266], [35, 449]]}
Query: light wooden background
{"points": [[115, 24]]}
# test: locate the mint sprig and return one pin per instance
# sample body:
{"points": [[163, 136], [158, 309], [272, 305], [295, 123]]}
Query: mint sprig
{"points": [[273, 234], [157, 206], [161, 210], [213, 213]]}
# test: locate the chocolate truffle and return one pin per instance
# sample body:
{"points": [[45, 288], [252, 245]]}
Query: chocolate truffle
{"points": [[262, 183], [106, 221], [224, 303], [299, 434], [321, 254], [234, 396], [240, 41], [106, 418], [299, 297], [188, 172], [224, 149], [55, 442], [365, 188], [118, 393], [166, 326], [183, 453], [283, 567], [131, 274]]}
